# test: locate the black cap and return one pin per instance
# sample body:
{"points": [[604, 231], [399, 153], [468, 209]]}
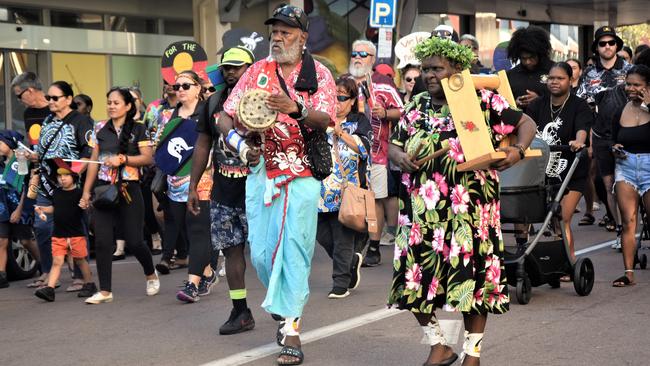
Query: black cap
{"points": [[606, 31], [290, 15]]}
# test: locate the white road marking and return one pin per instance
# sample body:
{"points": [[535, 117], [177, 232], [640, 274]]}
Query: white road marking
{"points": [[307, 337]]}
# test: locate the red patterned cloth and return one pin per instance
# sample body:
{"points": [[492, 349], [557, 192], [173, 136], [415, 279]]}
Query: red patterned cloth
{"points": [[284, 146]]}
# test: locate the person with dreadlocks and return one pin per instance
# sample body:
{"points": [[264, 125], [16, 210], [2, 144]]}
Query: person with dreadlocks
{"points": [[449, 249], [531, 47]]}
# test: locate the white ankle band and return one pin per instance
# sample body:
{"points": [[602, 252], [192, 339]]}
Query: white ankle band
{"points": [[472, 344], [291, 327], [433, 333]]}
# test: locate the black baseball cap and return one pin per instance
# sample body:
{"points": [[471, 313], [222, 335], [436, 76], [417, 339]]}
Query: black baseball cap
{"points": [[606, 31], [290, 15]]}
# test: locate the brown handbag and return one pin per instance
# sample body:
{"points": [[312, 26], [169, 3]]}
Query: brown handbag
{"points": [[357, 210]]}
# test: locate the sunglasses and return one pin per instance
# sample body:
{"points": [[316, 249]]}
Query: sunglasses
{"points": [[20, 96], [362, 54], [443, 34], [343, 98], [409, 79], [605, 43], [185, 86], [291, 12], [211, 89], [54, 98]]}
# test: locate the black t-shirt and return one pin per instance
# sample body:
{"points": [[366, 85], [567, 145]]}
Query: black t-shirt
{"points": [[521, 79], [560, 129], [608, 103], [34, 116], [68, 215], [229, 177]]}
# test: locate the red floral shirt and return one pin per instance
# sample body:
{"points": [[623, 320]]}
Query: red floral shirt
{"points": [[284, 146]]}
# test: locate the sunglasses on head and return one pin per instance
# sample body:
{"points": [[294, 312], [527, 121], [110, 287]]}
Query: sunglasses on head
{"points": [[362, 54], [185, 86], [605, 43], [291, 12], [54, 98], [343, 98]]}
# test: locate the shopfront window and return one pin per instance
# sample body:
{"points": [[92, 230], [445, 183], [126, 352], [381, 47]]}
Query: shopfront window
{"points": [[76, 20], [20, 15], [130, 24], [564, 40]]}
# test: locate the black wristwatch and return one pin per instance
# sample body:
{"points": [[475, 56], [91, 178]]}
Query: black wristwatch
{"points": [[301, 114], [522, 151]]}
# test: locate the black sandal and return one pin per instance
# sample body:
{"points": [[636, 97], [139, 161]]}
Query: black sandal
{"points": [[587, 219], [291, 352], [447, 362], [163, 267], [623, 281]]}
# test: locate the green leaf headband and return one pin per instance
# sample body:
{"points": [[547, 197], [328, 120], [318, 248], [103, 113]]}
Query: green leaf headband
{"points": [[446, 48]]}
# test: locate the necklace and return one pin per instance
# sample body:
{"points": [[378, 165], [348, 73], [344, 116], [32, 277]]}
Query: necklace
{"points": [[556, 112]]}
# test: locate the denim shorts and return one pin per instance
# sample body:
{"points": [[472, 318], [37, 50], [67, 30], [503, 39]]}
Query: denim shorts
{"points": [[635, 171]]}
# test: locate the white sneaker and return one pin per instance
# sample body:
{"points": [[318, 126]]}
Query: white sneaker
{"points": [[387, 239], [596, 206], [98, 298], [617, 243], [222, 268], [153, 286]]}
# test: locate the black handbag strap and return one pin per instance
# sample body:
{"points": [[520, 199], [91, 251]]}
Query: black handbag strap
{"points": [[49, 143], [283, 84]]}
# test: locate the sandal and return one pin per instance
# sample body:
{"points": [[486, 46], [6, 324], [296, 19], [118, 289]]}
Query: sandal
{"points": [[176, 265], [587, 219], [565, 278], [447, 362], [163, 267], [36, 283], [610, 225], [76, 285], [291, 352], [623, 281]]}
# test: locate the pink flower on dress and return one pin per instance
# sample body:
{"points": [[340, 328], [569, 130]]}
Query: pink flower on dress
{"points": [[484, 220], [433, 288], [436, 122], [430, 193], [503, 129], [480, 176], [411, 130], [413, 115], [499, 103], [406, 181], [459, 199], [438, 242], [442, 183], [455, 150], [415, 236], [493, 272], [478, 296], [403, 220], [494, 175], [486, 95], [413, 277], [399, 252], [495, 214], [454, 247]]}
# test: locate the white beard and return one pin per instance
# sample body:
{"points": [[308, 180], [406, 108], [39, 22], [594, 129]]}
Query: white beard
{"points": [[359, 71], [287, 55]]}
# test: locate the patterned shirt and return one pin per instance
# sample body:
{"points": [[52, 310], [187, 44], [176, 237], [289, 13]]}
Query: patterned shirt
{"points": [[284, 147], [351, 166], [106, 137], [596, 78], [70, 142]]}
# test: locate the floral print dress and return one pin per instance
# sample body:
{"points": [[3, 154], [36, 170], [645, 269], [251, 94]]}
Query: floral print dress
{"points": [[449, 248]]}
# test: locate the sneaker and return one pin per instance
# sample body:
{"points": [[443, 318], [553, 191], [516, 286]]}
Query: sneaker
{"points": [[206, 283], [355, 271], [617, 243], [338, 293], [387, 239], [372, 259], [46, 293], [98, 298], [87, 290], [4, 283], [595, 207], [238, 323], [189, 294], [222, 269], [153, 286]]}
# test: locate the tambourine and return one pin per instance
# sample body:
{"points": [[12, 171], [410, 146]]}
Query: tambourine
{"points": [[253, 112]]}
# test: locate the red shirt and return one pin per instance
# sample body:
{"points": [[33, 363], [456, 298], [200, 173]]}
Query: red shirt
{"points": [[284, 146]]}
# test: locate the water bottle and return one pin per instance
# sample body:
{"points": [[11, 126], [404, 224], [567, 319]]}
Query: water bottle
{"points": [[21, 157]]}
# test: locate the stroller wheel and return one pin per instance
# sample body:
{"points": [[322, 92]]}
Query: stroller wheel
{"points": [[524, 289], [583, 276], [643, 263]]}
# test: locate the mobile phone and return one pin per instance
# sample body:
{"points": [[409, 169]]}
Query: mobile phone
{"points": [[619, 152]]}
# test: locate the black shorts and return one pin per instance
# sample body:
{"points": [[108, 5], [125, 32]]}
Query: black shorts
{"points": [[16, 231], [605, 161], [394, 180]]}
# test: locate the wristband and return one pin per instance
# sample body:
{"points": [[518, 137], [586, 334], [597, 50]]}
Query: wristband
{"points": [[242, 154], [234, 140], [522, 151]]}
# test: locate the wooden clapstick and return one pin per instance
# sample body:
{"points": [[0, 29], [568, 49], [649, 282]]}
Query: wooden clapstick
{"points": [[436, 154], [417, 150]]}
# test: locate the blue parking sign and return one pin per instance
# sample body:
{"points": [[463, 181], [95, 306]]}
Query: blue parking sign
{"points": [[383, 13]]}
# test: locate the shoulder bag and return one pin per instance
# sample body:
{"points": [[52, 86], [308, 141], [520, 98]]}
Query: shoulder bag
{"points": [[357, 210], [107, 196]]}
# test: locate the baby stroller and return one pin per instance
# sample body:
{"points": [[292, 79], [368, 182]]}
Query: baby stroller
{"points": [[527, 198], [642, 259]]}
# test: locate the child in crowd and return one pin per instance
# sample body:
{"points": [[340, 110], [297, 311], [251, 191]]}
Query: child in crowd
{"points": [[68, 235]]}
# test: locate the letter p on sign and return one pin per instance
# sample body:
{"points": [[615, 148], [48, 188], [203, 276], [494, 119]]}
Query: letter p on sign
{"points": [[382, 13]]}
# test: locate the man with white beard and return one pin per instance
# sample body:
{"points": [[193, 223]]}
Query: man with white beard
{"points": [[381, 103], [281, 194]]}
